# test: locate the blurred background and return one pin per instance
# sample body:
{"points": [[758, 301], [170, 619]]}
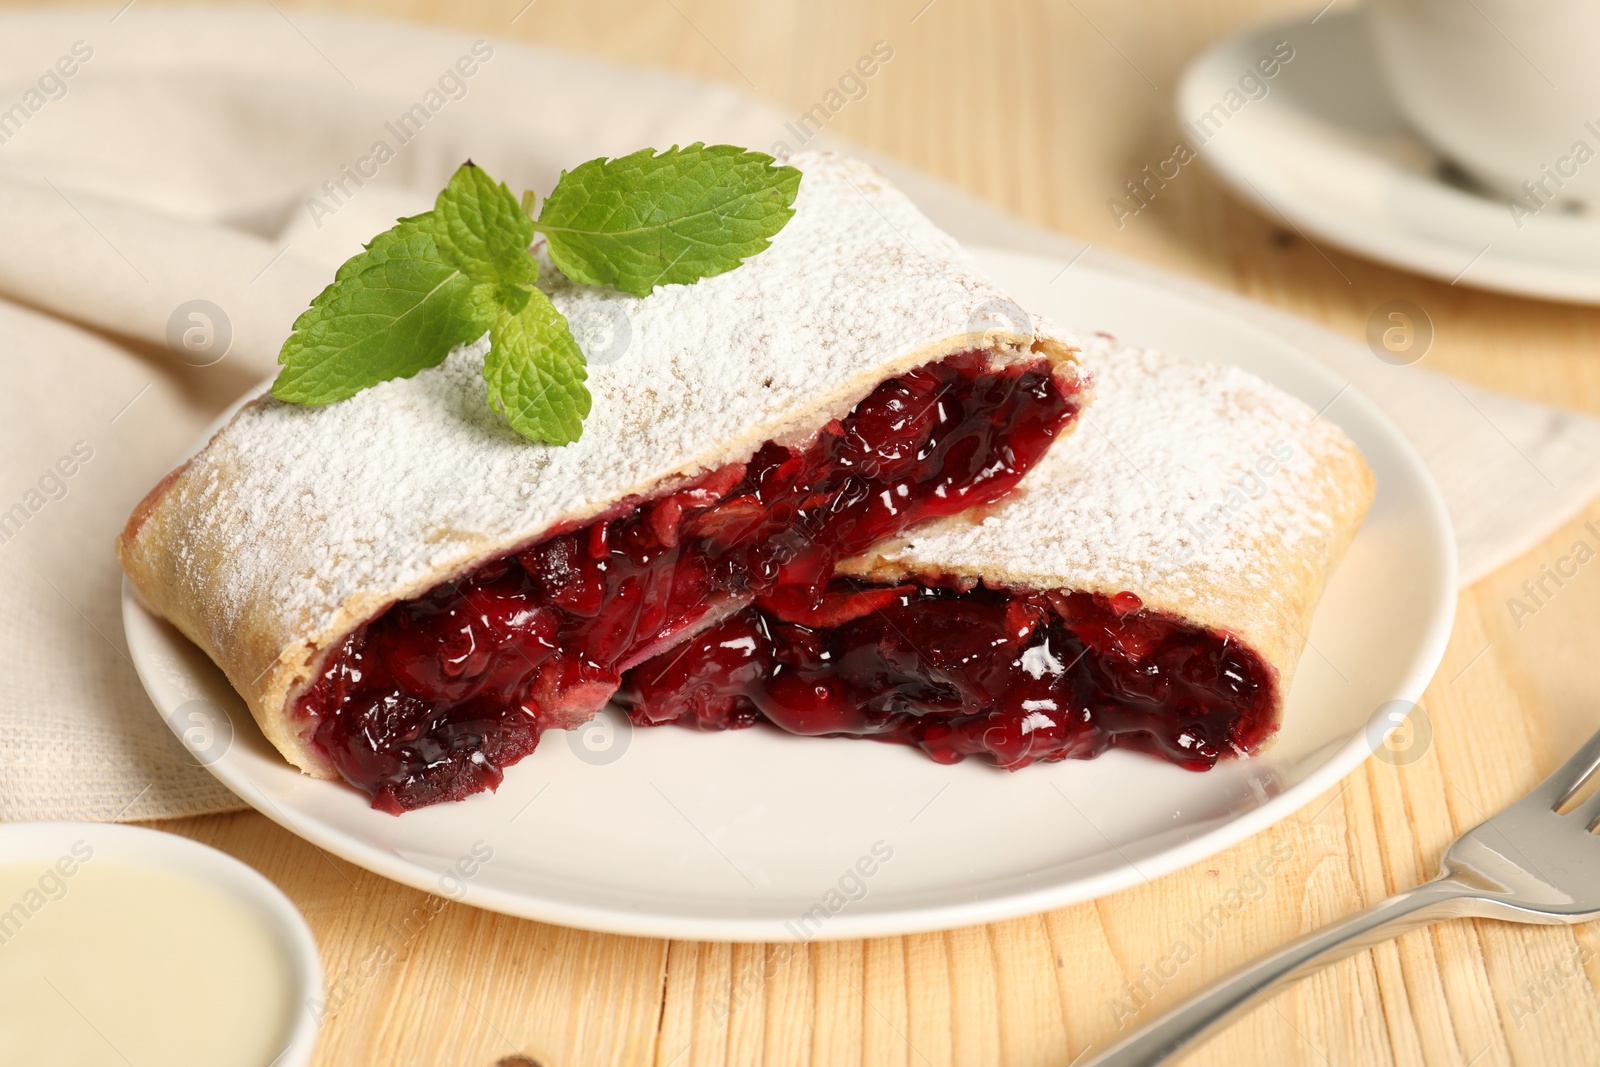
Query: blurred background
{"points": [[1044, 108]]}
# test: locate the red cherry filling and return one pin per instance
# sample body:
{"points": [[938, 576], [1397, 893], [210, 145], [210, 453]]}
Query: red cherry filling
{"points": [[435, 697], [1016, 677]]}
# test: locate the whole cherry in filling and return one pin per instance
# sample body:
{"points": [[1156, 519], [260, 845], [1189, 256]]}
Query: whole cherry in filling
{"points": [[435, 697], [1015, 677]]}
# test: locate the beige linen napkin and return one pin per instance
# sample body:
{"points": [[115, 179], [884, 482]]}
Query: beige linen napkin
{"points": [[228, 156]]}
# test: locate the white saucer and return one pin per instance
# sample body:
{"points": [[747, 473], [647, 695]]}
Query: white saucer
{"points": [[1327, 150], [736, 836]]}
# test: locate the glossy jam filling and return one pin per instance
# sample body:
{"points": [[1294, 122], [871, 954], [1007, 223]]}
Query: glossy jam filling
{"points": [[1016, 678], [436, 696]]}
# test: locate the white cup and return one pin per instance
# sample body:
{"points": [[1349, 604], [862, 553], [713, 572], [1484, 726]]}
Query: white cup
{"points": [[1507, 89]]}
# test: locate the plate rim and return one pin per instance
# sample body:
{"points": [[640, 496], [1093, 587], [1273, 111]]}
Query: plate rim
{"points": [[1338, 763]]}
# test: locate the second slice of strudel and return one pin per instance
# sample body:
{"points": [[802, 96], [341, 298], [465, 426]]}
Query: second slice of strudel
{"points": [[1149, 586]]}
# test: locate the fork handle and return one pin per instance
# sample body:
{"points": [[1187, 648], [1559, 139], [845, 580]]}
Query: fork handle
{"points": [[1171, 1033]]}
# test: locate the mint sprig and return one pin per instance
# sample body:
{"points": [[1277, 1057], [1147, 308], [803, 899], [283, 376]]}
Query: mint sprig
{"points": [[450, 275]]}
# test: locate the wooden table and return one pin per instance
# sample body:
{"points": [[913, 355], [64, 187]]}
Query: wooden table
{"points": [[1044, 107]]}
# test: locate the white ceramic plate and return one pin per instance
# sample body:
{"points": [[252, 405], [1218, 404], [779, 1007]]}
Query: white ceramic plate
{"points": [[735, 836], [44, 842], [1327, 150]]}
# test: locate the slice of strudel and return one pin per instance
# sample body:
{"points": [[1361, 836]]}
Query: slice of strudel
{"points": [[1147, 587], [406, 592]]}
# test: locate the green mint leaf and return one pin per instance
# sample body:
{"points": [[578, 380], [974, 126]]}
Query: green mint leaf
{"points": [[482, 230], [645, 220], [535, 372], [393, 310]]}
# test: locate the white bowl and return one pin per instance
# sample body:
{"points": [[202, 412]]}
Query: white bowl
{"points": [[26, 842]]}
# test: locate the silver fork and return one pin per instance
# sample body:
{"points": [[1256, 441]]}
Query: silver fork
{"points": [[1528, 864]]}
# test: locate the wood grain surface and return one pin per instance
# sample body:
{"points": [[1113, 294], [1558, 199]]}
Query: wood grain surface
{"points": [[1044, 107]]}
